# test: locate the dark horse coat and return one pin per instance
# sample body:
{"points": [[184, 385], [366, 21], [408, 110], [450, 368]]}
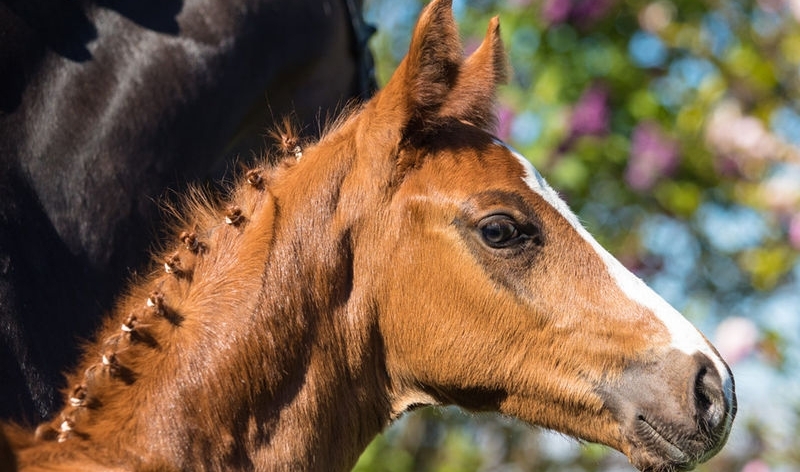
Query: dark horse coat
{"points": [[104, 104]]}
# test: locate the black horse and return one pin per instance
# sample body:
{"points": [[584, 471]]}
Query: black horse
{"points": [[104, 104]]}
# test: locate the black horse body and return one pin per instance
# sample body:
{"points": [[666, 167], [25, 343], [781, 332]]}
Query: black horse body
{"points": [[103, 106]]}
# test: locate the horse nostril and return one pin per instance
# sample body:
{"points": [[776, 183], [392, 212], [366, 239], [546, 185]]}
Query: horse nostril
{"points": [[709, 399]]}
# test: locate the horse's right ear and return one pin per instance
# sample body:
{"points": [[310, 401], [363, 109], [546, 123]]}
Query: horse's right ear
{"points": [[420, 86], [472, 98], [434, 85]]}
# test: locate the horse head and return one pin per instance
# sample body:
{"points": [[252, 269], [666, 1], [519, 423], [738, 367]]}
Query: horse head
{"points": [[490, 293]]}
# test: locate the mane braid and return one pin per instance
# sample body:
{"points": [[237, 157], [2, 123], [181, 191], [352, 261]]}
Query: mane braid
{"points": [[287, 138], [187, 280], [288, 141], [213, 239]]}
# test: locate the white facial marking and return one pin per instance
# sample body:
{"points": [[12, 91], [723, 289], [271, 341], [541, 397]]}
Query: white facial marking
{"points": [[685, 337]]}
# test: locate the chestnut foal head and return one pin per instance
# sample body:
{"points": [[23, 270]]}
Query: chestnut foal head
{"points": [[408, 258]]}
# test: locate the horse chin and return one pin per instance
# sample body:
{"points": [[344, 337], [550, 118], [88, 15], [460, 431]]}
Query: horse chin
{"points": [[662, 447]]}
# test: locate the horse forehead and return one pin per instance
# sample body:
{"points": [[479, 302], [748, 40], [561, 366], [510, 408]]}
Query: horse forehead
{"points": [[534, 180]]}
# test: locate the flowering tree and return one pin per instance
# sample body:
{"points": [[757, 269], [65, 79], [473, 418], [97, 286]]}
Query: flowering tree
{"points": [[673, 129]]}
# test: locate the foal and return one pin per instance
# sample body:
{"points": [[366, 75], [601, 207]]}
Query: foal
{"points": [[409, 258]]}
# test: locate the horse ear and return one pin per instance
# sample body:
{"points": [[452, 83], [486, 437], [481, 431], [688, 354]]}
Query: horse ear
{"points": [[472, 98], [434, 58], [434, 83], [425, 77]]}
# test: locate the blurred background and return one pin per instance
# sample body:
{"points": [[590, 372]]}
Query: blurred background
{"points": [[672, 128]]}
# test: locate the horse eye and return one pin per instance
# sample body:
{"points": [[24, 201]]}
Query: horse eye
{"points": [[500, 231]]}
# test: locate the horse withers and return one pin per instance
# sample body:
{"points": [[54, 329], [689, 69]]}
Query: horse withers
{"points": [[407, 258]]}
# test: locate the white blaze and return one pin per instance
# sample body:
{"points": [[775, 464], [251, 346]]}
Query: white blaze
{"points": [[684, 335]]}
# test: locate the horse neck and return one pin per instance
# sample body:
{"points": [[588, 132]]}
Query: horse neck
{"points": [[243, 348]]}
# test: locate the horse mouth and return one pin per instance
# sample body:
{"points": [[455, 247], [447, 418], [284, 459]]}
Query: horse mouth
{"points": [[663, 448]]}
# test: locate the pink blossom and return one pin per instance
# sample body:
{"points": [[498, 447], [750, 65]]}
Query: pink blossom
{"points": [[727, 165], [505, 117], [580, 12], [656, 16], [743, 138], [556, 11], [794, 231], [590, 116], [780, 192], [772, 6], [736, 338], [589, 11], [756, 465], [653, 155], [471, 45]]}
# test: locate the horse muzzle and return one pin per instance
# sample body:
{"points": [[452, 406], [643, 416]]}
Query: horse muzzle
{"points": [[674, 412]]}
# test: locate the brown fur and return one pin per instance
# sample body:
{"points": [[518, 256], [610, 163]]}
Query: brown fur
{"points": [[285, 325]]}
